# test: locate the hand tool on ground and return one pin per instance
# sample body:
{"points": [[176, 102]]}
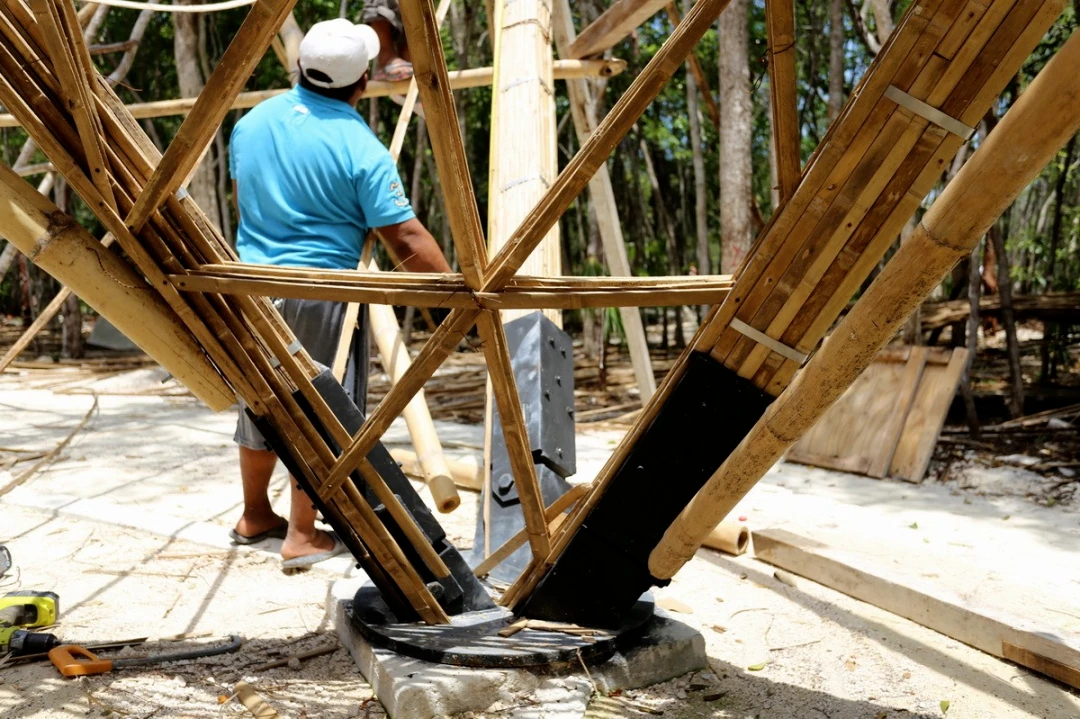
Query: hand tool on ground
{"points": [[75, 661], [23, 610]]}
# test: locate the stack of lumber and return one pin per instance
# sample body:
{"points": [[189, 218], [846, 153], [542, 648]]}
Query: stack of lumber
{"points": [[48, 83], [1053, 306], [888, 422], [934, 79]]}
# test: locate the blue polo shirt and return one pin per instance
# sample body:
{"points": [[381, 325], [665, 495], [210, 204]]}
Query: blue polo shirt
{"points": [[312, 180]]}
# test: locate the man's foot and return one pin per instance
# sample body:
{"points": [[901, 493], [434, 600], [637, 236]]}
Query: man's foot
{"points": [[396, 70], [301, 552], [250, 530]]}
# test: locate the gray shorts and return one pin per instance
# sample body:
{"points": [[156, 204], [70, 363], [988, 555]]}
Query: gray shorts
{"points": [[317, 324], [382, 10]]}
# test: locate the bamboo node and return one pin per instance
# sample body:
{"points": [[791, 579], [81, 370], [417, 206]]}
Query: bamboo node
{"points": [[942, 242]]}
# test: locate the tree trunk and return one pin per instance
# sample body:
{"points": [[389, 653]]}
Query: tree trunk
{"points": [[701, 201], [836, 58], [736, 115], [7, 257], [71, 344], [974, 292], [1049, 328], [203, 187], [882, 19], [1008, 321]]}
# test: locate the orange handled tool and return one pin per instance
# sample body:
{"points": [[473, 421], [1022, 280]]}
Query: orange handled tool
{"points": [[75, 661]]}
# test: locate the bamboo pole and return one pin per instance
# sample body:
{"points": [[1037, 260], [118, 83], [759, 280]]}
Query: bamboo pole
{"points": [[602, 201], [459, 80], [1027, 138], [572, 293], [618, 21], [780, 23], [67, 52], [58, 245]]}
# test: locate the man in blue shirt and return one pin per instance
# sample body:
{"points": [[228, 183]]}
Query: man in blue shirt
{"points": [[310, 179]]}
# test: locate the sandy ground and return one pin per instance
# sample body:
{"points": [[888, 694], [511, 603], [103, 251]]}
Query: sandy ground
{"points": [[129, 526]]}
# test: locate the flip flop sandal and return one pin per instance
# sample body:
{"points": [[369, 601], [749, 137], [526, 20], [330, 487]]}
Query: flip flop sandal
{"points": [[394, 71], [277, 532], [307, 561]]}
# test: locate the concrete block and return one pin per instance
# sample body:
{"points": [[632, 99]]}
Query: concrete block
{"points": [[414, 689]]}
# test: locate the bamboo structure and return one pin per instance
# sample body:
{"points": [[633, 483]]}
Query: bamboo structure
{"points": [[944, 65], [459, 80]]}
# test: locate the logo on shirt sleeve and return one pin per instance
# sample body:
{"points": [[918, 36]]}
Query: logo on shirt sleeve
{"points": [[397, 192]]}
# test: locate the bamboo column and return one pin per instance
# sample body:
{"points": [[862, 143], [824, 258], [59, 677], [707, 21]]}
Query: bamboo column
{"points": [[1026, 139], [602, 200]]}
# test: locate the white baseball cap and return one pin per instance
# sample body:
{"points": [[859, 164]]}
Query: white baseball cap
{"points": [[336, 53]]}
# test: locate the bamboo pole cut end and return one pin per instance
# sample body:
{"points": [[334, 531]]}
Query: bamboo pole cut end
{"points": [[444, 492]]}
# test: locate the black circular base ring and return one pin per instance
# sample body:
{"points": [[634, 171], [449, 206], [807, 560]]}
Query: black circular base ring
{"points": [[472, 639]]}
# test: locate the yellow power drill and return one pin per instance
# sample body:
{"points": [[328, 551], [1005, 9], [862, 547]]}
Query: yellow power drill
{"points": [[24, 610]]}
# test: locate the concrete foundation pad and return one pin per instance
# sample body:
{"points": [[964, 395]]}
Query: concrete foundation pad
{"points": [[414, 689]]}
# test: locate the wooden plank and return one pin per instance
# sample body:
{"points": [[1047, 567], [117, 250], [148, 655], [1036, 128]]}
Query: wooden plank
{"points": [[780, 26], [887, 437], [861, 426], [198, 129], [1044, 649], [614, 24], [926, 418], [1043, 665]]}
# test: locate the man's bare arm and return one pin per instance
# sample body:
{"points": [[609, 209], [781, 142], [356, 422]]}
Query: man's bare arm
{"points": [[414, 246]]}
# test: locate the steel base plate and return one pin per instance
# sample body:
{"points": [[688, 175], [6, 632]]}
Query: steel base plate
{"points": [[472, 639]]}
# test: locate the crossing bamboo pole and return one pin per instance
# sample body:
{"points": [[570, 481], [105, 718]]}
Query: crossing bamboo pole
{"points": [[780, 23], [1027, 138], [570, 183], [618, 21]]}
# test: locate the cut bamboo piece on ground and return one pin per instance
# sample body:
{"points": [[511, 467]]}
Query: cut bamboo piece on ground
{"points": [[1043, 649]]}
